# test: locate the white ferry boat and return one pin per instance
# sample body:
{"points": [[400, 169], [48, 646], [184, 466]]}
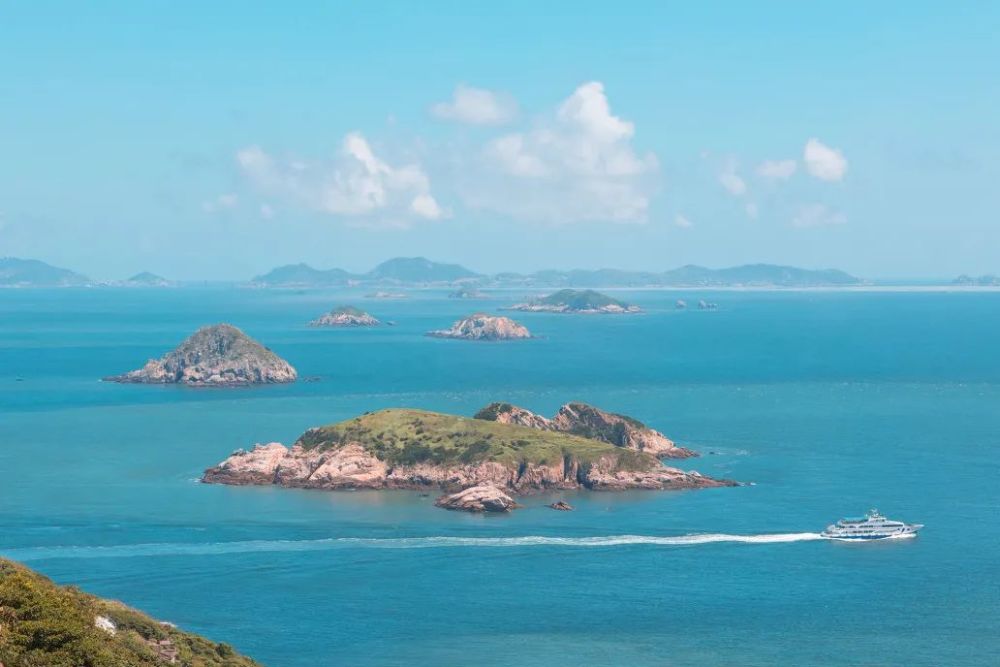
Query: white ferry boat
{"points": [[873, 526]]}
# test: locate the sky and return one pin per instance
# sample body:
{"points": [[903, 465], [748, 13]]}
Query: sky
{"points": [[218, 140]]}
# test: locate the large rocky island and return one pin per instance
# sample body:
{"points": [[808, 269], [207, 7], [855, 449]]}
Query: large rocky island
{"points": [[46, 625], [484, 327], [576, 301], [215, 356], [417, 449], [345, 316]]}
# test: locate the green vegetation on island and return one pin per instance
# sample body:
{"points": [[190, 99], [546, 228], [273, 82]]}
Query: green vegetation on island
{"points": [[401, 436], [43, 624], [580, 299], [577, 301]]}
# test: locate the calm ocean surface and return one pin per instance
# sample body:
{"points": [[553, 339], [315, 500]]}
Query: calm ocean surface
{"points": [[830, 402]]}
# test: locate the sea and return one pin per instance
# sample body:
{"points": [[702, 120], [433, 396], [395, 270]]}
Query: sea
{"points": [[825, 403]]}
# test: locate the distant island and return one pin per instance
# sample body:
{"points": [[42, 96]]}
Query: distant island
{"points": [[988, 280], [576, 301], [303, 275], [42, 623], [416, 449], [484, 327], [147, 279], [345, 316], [420, 271], [16, 272], [215, 356]]}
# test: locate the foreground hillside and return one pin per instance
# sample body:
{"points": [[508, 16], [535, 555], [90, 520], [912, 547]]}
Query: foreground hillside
{"points": [[417, 449], [46, 625]]}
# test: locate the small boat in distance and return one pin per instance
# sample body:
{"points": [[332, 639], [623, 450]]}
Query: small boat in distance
{"points": [[873, 526]]}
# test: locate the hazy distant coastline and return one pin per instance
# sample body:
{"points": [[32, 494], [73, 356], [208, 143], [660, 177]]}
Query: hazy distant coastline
{"points": [[419, 272]]}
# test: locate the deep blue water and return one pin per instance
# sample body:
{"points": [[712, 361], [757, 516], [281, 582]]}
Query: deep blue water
{"points": [[830, 402]]}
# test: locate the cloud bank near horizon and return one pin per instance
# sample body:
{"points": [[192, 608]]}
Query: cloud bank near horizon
{"points": [[576, 162]]}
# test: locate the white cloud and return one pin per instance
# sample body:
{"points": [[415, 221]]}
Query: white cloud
{"points": [[817, 215], [752, 212], [221, 203], [731, 180], [356, 184], [426, 207], [577, 164], [682, 222], [777, 170], [823, 162], [477, 106]]}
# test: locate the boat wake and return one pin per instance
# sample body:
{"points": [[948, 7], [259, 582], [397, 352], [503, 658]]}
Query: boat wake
{"points": [[260, 546]]}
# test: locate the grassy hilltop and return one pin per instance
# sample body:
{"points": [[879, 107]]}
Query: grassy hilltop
{"points": [[404, 437]]}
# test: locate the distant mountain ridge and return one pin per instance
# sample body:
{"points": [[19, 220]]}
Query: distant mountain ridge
{"points": [[303, 275], [422, 271], [419, 270], [16, 272]]}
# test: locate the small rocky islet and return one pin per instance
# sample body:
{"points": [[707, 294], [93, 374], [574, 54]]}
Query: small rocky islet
{"points": [[481, 326], [214, 356], [345, 316], [576, 301], [479, 463]]}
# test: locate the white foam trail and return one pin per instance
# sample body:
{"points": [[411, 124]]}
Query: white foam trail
{"points": [[259, 546]]}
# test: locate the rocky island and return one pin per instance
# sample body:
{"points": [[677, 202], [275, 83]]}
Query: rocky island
{"points": [[593, 423], [484, 327], [345, 316], [215, 356], [478, 463], [576, 301], [43, 624]]}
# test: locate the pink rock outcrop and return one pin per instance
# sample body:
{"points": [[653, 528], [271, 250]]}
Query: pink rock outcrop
{"points": [[590, 422], [480, 498], [484, 327], [351, 466]]}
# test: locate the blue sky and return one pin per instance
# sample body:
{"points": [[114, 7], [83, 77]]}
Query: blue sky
{"points": [[218, 141]]}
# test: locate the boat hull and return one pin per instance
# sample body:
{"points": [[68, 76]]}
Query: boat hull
{"points": [[868, 538]]}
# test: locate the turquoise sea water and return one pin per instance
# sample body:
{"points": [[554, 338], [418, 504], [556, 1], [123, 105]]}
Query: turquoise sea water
{"points": [[829, 402]]}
